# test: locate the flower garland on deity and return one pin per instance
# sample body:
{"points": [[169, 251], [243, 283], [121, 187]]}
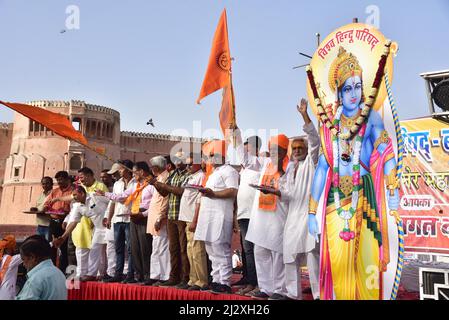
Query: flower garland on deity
{"points": [[347, 64]]}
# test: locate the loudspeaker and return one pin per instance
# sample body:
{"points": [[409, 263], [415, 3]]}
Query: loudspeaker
{"points": [[440, 94], [437, 87]]}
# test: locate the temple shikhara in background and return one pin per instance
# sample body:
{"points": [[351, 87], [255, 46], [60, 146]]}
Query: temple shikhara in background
{"points": [[29, 151]]}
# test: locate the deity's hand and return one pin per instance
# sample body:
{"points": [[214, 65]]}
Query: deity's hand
{"points": [[313, 225], [302, 106], [393, 200]]}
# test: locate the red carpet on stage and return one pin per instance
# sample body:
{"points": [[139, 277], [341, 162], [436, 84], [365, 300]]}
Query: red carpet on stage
{"points": [[118, 291]]}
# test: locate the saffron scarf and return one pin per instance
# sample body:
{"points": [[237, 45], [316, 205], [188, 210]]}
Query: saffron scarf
{"points": [[271, 176], [136, 197], [5, 268], [9, 242]]}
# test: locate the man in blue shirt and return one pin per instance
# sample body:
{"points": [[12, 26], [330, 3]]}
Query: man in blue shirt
{"points": [[44, 280]]}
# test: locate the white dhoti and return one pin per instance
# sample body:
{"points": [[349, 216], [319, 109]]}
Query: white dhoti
{"points": [[82, 261], [313, 266], [293, 274], [270, 270], [160, 257], [97, 256], [110, 255], [220, 256]]}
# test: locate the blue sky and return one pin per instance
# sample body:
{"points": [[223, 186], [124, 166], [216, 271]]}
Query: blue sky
{"points": [[147, 59]]}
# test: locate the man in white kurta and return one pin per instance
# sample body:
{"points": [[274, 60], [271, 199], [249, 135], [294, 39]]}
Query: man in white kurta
{"points": [[252, 164], [92, 207], [299, 245], [215, 221], [118, 219], [196, 251], [110, 263], [266, 226]]}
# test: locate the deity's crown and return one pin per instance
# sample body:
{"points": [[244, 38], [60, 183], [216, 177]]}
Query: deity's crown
{"points": [[344, 66]]}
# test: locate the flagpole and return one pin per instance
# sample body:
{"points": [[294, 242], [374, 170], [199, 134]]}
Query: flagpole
{"points": [[103, 155], [233, 124]]}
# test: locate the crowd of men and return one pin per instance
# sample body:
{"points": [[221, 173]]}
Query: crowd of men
{"points": [[170, 222]]}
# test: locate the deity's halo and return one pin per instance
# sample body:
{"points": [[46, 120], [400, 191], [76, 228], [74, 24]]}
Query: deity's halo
{"points": [[366, 43]]}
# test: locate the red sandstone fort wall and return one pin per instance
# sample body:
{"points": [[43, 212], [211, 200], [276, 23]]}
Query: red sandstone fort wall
{"points": [[30, 152]]}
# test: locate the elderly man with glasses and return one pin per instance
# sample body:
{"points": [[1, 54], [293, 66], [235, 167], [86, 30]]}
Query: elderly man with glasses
{"points": [[299, 245]]}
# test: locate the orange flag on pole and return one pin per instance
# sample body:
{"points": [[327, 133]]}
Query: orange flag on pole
{"points": [[56, 122], [218, 75], [219, 67]]}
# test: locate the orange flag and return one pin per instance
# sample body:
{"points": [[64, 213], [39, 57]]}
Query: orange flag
{"points": [[219, 67], [218, 75], [56, 122]]}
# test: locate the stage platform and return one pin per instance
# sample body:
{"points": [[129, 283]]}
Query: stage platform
{"points": [[118, 291]]}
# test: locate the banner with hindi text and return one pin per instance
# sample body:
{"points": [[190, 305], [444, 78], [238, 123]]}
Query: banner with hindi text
{"points": [[424, 206]]}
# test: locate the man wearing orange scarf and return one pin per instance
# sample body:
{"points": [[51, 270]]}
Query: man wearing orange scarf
{"points": [[9, 263], [139, 199], [216, 216], [266, 225]]}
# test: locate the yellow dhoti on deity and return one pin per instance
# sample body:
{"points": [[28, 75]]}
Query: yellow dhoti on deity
{"points": [[355, 265]]}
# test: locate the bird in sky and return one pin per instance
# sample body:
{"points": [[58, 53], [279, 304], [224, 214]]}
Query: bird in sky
{"points": [[150, 122]]}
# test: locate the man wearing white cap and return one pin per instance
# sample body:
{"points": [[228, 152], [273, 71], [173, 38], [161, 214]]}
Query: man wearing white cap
{"points": [[118, 218]]}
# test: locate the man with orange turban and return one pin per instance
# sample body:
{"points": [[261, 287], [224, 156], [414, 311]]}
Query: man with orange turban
{"points": [[9, 263], [216, 216], [266, 225]]}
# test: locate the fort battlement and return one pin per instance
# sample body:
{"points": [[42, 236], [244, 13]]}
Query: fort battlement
{"points": [[93, 107], [73, 103], [49, 103], [159, 136]]}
